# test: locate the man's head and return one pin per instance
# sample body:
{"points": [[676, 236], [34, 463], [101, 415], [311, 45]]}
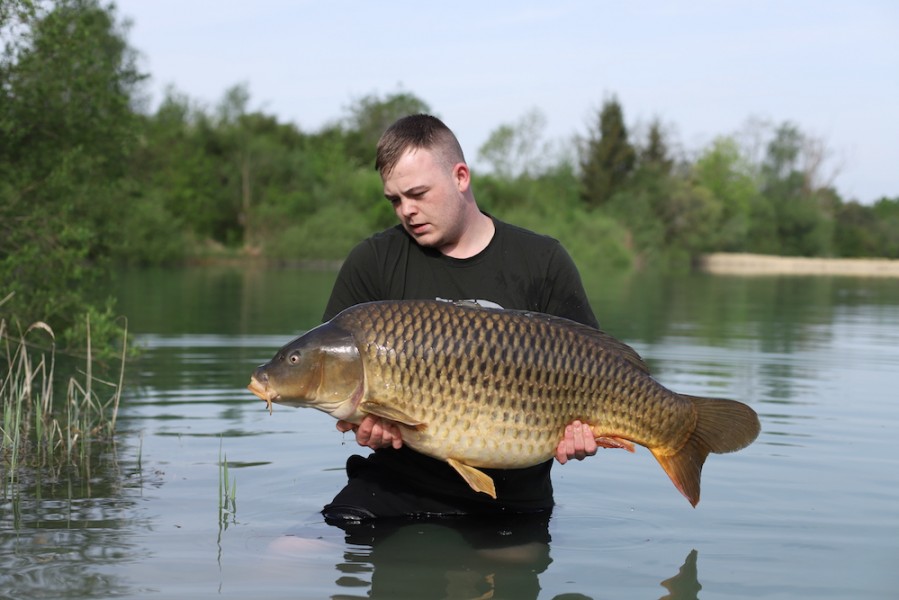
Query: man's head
{"points": [[417, 132], [429, 185]]}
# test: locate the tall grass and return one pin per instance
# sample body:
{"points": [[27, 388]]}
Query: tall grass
{"points": [[227, 491], [38, 430]]}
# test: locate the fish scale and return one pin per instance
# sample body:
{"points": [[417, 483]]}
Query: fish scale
{"points": [[490, 388], [472, 341]]}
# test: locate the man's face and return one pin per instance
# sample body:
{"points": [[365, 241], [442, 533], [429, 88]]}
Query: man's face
{"points": [[429, 198]]}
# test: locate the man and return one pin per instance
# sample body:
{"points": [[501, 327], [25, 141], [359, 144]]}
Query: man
{"points": [[445, 247]]}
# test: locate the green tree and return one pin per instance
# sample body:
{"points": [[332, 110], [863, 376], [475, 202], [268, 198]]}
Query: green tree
{"points": [[518, 149], [655, 153], [607, 157], [370, 115], [725, 172], [887, 211], [857, 231], [175, 179], [868, 231], [800, 207], [67, 129]]}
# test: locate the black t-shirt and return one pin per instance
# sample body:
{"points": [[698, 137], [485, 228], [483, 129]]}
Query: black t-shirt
{"points": [[520, 270]]}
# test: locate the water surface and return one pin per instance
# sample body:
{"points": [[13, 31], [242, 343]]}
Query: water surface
{"points": [[811, 510]]}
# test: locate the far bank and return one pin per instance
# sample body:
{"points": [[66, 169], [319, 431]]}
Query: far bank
{"points": [[761, 264]]}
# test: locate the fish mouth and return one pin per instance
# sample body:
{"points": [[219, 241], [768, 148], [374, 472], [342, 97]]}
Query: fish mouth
{"points": [[264, 393]]}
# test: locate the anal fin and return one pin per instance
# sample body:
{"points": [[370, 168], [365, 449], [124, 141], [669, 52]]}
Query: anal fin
{"points": [[477, 479], [614, 442]]}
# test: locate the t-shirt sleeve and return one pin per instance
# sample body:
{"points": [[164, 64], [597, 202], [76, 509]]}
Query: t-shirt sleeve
{"points": [[357, 281], [566, 296]]}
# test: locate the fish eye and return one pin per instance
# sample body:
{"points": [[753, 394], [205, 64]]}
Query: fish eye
{"points": [[294, 357]]}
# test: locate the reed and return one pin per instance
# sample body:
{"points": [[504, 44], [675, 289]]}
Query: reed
{"points": [[39, 431], [227, 491]]}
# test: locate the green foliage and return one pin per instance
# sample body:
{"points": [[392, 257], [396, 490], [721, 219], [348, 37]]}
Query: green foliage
{"points": [[369, 116], [66, 132], [887, 233], [799, 208], [517, 149], [724, 172], [868, 231], [655, 153], [668, 215], [328, 233], [550, 204], [176, 168], [608, 157]]}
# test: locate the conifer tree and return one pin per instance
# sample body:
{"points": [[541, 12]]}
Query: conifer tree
{"points": [[608, 156]]}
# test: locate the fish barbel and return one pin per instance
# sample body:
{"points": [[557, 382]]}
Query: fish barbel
{"points": [[491, 388]]}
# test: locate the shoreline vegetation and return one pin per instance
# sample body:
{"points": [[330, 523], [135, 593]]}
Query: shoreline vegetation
{"points": [[52, 425], [721, 263]]}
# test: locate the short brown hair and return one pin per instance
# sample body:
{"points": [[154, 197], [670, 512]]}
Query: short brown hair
{"points": [[417, 131]]}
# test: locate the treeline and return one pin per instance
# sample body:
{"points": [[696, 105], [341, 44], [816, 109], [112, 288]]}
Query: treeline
{"points": [[90, 179]]}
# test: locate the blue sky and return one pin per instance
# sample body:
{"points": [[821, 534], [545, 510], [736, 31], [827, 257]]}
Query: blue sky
{"points": [[704, 67]]}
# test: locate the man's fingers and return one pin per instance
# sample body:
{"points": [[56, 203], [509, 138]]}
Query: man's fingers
{"points": [[577, 437], [392, 435], [366, 430], [375, 432], [562, 452], [584, 442], [589, 441], [344, 426], [578, 443]]}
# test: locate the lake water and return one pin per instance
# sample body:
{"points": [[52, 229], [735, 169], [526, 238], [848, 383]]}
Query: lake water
{"points": [[810, 510]]}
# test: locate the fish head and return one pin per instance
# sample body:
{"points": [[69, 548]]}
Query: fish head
{"points": [[321, 369]]}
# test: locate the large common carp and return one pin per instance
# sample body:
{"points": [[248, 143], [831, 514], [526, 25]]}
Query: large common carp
{"points": [[492, 388]]}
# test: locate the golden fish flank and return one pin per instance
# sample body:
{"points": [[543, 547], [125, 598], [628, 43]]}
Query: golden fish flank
{"points": [[490, 388]]}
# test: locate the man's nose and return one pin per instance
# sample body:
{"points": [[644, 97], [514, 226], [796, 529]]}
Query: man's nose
{"points": [[407, 207]]}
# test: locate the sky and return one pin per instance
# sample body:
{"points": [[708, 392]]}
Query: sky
{"points": [[703, 68]]}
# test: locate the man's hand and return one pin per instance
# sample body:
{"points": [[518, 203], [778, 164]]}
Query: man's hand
{"points": [[374, 432], [578, 443]]}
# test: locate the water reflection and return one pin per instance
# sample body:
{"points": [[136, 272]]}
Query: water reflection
{"points": [[62, 534], [459, 557], [685, 585], [456, 558]]}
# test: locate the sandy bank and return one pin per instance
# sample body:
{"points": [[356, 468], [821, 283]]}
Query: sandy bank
{"points": [[761, 264]]}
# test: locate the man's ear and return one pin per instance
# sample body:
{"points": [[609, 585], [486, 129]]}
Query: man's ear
{"points": [[462, 176]]}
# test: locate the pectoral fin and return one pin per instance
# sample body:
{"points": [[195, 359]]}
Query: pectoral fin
{"points": [[478, 480], [391, 413]]}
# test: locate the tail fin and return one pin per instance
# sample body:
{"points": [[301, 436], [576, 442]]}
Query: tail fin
{"points": [[721, 426]]}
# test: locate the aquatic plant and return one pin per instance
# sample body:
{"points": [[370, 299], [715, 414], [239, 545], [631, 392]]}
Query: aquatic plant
{"points": [[41, 430], [227, 491]]}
